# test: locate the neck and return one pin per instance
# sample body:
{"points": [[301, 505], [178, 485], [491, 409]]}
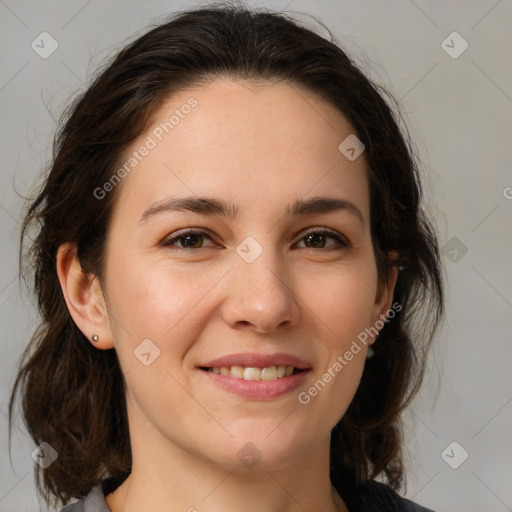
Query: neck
{"points": [[228, 495], [178, 480], [169, 474]]}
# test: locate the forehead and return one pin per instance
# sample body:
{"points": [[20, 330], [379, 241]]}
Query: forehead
{"points": [[264, 141]]}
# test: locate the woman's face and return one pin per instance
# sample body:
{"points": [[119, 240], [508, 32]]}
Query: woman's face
{"points": [[255, 285]]}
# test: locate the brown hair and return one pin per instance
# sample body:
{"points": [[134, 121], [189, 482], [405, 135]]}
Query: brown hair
{"points": [[72, 393]]}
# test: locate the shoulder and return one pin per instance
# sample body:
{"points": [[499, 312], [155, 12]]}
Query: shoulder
{"points": [[93, 502], [375, 496]]}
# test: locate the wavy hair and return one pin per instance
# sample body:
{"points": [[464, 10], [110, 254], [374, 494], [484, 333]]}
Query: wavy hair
{"points": [[72, 394]]}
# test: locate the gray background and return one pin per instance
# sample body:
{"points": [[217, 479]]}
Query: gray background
{"points": [[458, 111]]}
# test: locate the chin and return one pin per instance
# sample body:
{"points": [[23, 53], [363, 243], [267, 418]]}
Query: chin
{"points": [[260, 452]]}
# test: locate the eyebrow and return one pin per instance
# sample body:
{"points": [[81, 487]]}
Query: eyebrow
{"points": [[213, 206]]}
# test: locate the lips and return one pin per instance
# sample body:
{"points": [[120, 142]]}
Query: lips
{"points": [[254, 360], [256, 376]]}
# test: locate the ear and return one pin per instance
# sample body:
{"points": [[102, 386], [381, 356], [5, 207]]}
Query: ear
{"points": [[84, 298], [385, 289]]}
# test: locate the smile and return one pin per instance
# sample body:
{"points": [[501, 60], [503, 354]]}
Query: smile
{"points": [[250, 383], [256, 376], [250, 373]]}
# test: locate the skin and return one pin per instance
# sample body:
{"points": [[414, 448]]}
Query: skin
{"points": [[261, 147]]}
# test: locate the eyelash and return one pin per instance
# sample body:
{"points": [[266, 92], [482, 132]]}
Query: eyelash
{"points": [[168, 243]]}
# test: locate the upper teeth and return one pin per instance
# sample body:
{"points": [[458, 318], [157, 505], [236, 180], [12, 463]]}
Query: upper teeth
{"points": [[248, 373]]}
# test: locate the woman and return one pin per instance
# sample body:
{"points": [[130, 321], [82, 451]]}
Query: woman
{"points": [[230, 258]]}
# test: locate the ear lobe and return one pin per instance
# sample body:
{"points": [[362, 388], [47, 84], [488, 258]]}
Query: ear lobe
{"points": [[84, 297]]}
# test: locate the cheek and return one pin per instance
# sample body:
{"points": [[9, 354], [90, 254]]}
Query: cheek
{"points": [[342, 299], [150, 302], [326, 398], [156, 313]]}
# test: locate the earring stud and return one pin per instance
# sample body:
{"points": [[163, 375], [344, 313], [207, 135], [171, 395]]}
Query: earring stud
{"points": [[95, 337]]}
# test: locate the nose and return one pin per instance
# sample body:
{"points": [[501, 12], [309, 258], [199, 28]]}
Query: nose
{"points": [[260, 297]]}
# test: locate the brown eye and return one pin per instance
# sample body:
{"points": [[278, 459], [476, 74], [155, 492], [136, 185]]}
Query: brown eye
{"points": [[191, 241], [187, 240], [317, 239]]}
